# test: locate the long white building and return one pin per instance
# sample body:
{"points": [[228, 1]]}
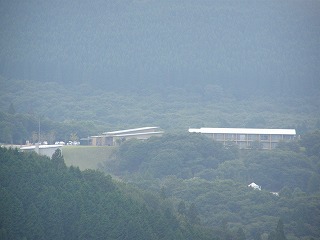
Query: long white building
{"points": [[112, 138], [46, 150], [246, 138]]}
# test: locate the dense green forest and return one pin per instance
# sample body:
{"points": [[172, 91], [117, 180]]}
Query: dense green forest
{"points": [[41, 198], [172, 187], [92, 66], [85, 110], [193, 170]]}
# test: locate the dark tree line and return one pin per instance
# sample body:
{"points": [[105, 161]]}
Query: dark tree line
{"points": [[41, 198], [85, 110], [17, 128], [209, 183]]}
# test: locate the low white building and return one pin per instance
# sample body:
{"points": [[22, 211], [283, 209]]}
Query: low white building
{"points": [[113, 138], [254, 186], [46, 150], [246, 138]]}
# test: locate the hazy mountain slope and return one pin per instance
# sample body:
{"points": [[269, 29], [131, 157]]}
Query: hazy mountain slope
{"points": [[173, 109], [253, 46]]}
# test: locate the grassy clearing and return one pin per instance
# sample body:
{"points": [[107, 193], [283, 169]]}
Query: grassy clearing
{"points": [[86, 157]]}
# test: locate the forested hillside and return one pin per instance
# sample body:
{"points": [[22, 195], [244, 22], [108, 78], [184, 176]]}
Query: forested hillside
{"points": [[71, 69], [41, 198], [192, 170], [85, 110], [92, 66], [243, 46]]}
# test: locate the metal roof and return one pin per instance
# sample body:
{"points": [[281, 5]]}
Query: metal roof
{"points": [[41, 147], [129, 130], [244, 131], [137, 134]]}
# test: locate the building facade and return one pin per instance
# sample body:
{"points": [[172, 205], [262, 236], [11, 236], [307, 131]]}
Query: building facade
{"points": [[47, 150], [248, 138]]}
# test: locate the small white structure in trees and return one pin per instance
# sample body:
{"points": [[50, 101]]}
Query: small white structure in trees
{"points": [[255, 186], [46, 150]]}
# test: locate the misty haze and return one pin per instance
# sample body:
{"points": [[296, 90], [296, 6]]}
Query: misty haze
{"points": [[144, 119]]}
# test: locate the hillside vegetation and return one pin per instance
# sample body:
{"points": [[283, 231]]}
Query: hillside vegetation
{"points": [[193, 170], [91, 67], [87, 111], [72, 69], [41, 198]]}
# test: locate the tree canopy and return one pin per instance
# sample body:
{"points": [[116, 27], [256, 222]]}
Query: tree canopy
{"points": [[209, 183], [41, 198]]}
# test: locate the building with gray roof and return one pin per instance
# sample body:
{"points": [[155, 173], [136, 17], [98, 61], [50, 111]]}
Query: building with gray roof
{"points": [[115, 137], [248, 138]]}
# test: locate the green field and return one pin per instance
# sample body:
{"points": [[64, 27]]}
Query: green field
{"points": [[86, 157]]}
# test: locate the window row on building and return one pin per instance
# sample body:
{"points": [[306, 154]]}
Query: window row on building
{"points": [[247, 138]]}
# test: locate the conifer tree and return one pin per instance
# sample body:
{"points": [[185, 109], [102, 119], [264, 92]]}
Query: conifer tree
{"points": [[58, 159], [163, 194], [33, 223], [182, 208], [240, 234], [193, 214], [278, 234], [279, 231], [11, 109]]}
